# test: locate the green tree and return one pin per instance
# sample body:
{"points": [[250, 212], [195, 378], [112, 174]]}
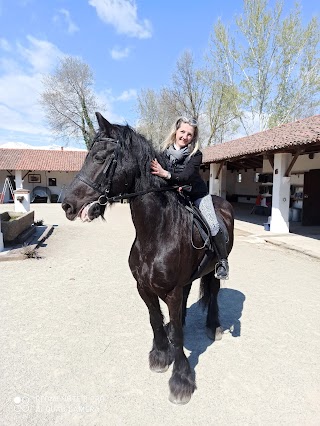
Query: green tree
{"points": [[223, 100], [276, 63]]}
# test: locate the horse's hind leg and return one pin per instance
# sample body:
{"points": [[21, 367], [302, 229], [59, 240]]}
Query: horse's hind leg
{"points": [[210, 287], [161, 354], [182, 382]]}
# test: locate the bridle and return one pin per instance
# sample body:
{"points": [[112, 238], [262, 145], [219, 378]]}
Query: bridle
{"points": [[103, 183], [104, 179]]}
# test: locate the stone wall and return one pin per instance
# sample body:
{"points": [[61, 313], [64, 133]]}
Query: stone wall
{"points": [[13, 224]]}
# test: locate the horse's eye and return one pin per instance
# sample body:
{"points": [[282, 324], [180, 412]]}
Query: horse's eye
{"points": [[100, 157]]}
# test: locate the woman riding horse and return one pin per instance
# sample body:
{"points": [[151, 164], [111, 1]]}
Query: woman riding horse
{"points": [[182, 149]]}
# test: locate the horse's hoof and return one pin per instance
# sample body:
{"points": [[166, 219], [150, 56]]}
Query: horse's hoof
{"points": [[159, 361], [179, 400], [158, 369], [215, 335], [181, 387]]}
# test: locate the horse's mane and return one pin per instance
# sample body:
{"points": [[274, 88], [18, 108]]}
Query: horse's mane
{"points": [[144, 151]]}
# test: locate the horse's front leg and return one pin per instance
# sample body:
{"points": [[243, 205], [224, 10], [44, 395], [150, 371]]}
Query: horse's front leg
{"points": [[182, 382], [161, 354]]}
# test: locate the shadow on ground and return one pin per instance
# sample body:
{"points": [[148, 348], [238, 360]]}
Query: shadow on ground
{"points": [[195, 337]]}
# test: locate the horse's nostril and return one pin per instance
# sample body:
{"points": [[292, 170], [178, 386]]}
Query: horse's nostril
{"points": [[67, 207]]}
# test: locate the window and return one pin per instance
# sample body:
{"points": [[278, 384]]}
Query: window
{"points": [[52, 182], [239, 177]]}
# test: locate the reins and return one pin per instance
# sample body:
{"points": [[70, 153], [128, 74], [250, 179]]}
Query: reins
{"points": [[136, 194]]}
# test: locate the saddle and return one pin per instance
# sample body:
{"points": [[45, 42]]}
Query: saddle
{"points": [[201, 224]]}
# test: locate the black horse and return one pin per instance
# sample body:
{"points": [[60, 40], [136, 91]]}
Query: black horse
{"points": [[162, 258]]}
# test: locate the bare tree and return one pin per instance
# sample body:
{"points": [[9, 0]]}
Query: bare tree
{"points": [[187, 89], [69, 101], [185, 97], [157, 113]]}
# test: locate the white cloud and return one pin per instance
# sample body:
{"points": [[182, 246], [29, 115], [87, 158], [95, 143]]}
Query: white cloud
{"points": [[122, 14], [21, 85], [23, 145], [119, 53], [21, 121], [107, 99], [127, 95], [71, 26], [8, 65], [41, 54], [21, 117], [5, 45]]}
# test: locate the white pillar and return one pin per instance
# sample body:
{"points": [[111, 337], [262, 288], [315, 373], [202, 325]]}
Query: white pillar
{"points": [[214, 184], [280, 194], [1, 238], [18, 179], [22, 200]]}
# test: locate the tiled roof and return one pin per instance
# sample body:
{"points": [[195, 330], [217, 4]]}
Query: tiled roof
{"points": [[295, 134], [39, 159]]}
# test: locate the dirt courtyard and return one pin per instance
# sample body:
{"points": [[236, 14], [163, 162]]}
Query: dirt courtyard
{"points": [[75, 336]]}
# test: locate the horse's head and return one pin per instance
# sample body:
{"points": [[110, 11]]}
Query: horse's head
{"points": [[102, 175]]}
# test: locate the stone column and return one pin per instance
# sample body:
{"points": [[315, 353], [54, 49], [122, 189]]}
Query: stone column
{"points": [[1, 238], [280, 194], [214, 184], [18, 179], [22, 200]]}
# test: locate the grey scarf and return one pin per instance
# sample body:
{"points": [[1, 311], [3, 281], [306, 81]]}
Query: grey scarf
{"points": [[177, 155]]}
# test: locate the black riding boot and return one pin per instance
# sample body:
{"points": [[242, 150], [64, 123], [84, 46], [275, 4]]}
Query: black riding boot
{"points": [[222, 267]]}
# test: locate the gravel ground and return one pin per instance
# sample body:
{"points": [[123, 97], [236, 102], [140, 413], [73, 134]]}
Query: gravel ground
{"points": [[75, 336]]}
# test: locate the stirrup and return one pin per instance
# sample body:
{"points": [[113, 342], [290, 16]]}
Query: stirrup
{"points": [[223, 264]]}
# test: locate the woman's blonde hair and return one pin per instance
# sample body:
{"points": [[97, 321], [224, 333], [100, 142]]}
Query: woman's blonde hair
{"points": [[171, 138]]}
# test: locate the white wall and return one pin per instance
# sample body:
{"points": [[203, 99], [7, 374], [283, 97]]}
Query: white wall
{"points": [[303, 164], [62, 178], [246, 187]]}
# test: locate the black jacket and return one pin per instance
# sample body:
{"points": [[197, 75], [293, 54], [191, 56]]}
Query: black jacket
{"points": [[187, 172]]}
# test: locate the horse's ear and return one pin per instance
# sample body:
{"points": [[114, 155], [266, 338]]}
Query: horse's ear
{"points": [[104, 124]]}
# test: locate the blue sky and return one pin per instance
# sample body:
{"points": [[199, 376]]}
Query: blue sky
{"points": [[129, 45]]}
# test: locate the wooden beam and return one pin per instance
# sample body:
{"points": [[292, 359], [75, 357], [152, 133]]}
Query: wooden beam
{"points": [[220, 168], [271, 160], [295, 157]]}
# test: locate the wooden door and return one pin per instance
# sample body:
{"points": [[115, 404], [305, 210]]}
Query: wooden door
{"points": [[311, 198]]}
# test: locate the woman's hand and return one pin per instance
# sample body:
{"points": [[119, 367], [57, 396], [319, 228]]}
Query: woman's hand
{"points": [[158, 170]]}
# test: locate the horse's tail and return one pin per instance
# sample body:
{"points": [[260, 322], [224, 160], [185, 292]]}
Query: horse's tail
{"points": [[205, 289]]}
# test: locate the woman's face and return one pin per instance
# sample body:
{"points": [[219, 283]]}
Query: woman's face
{"points": [[184, 135]]}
